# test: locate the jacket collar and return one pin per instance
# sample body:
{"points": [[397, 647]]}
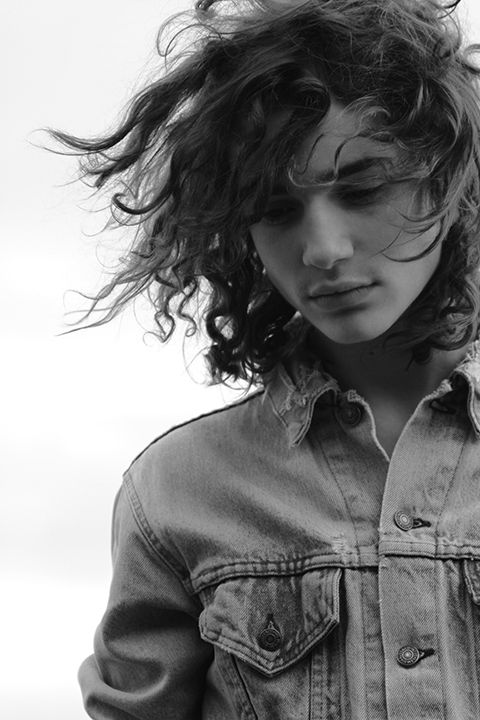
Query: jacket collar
{"points": [[295, 386]]}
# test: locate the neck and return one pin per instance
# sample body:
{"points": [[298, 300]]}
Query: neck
{"points": [[385, 373]]}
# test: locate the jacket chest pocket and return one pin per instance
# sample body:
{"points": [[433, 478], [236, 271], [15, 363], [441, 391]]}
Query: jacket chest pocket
{"points": [[271, 647], [470, 636]]}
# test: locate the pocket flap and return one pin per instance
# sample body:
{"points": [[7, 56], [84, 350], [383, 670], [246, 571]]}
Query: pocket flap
{"points": [[270, 622], [472, 578]]}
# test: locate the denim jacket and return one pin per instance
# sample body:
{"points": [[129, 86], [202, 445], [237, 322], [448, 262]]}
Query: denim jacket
{"points": [[272, 562]]}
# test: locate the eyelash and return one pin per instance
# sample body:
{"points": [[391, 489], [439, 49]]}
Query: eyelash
{"points": [[357, 198]]}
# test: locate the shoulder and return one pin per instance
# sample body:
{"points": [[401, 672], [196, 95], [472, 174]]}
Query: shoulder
{"points": [[179, 484], [186, 460], [218, 426]]}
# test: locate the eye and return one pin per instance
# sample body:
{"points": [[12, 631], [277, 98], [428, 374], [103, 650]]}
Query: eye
{"points": [[361, 195], [280, 212]]}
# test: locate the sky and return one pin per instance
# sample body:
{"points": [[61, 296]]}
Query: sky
{"points": [[77, 408]]}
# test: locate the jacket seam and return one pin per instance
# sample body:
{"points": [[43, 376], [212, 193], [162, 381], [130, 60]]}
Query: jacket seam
{"points": [[256, 569], [440, 649], [364, 628], [238, 685], [151, 539], [216, 411]]}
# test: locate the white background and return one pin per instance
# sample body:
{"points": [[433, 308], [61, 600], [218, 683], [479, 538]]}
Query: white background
{"points": [[75, 409]]}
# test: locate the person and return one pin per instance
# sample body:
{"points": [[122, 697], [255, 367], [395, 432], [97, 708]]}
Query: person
{"points": [[303, 178]]}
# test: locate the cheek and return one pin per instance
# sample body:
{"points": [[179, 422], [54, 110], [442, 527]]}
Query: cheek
{"points": [[275, 256], [276, 270], [403, 243], [407, 280], [279, 268]]}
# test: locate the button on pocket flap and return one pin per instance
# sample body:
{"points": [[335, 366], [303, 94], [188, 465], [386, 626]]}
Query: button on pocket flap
{"points": [[270, 622], [472, 578]]}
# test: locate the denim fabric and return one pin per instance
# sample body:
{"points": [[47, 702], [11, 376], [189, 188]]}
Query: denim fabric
{"points": [[271, 561]]}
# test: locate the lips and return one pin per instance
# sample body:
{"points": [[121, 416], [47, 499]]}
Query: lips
{"points": [[340, 288]]}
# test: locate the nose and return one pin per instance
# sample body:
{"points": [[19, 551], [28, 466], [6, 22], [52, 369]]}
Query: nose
{"points": [[327, 234]]}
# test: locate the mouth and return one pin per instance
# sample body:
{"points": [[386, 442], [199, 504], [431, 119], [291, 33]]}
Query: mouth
{"points": [[342, 291], [355, 296]]}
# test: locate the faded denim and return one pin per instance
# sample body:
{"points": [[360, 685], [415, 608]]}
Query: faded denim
{"points": [[271, 561]]}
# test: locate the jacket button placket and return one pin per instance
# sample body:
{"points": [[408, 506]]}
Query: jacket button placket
{"points": [[408, 620], [411, 597], [403, 520]]}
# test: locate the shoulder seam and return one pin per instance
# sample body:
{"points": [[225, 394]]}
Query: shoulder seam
{"points": [[216, 411], [151, 539]]}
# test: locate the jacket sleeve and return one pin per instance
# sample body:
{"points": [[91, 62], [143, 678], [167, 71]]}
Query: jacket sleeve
{"points": [[149, 661]]}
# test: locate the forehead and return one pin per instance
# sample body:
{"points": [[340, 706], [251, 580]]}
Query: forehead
{"points": [[336, 140]]}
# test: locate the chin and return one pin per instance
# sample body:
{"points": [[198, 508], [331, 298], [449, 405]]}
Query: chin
{"points": [[345, 333]]}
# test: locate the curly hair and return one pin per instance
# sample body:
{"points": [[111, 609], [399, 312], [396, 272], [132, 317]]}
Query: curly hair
{"points": [[193, 162]]}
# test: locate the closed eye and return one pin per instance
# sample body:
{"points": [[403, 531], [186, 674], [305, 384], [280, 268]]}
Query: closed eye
{"points": [[281, 213], [361, 196], [285, 210]]}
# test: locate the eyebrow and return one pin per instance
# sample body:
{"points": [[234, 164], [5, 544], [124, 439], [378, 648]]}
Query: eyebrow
{"points": [[344, 171]]}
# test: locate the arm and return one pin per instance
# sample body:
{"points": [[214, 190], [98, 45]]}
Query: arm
{"points": [[149, 661]]}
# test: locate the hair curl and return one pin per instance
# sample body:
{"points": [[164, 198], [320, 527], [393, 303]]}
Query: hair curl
{"points": [[193, 162]]}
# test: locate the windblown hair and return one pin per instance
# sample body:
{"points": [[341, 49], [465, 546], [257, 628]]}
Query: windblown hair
{"points": [[193, 163]]}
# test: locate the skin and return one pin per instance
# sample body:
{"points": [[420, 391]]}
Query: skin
{"points": [[313, 237]]}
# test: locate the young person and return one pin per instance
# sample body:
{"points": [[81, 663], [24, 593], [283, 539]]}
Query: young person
{"points": [[305, 182]]}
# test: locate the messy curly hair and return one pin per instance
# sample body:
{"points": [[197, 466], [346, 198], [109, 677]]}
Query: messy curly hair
{"points": [[194, 160]]}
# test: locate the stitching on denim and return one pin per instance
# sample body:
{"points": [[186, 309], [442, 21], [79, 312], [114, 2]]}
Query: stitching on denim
{"points": [[362, 609], [323, 670], [311, 688], [152, 541], [294, 397], [307, 419], [252, 715], [348, 513], [298, 389], [471, 570], [297, 438], [449, 488], [406, 541], [217, 574], [318, 632], [344, 698], [332, 683], [443, 679], [466, 551], [298, 396], [305, 375], [216, 411], [473, 632], [234, 662]]}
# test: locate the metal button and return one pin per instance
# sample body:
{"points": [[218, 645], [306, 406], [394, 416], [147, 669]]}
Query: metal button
{"points": [[408, 656], [270, 638], [351, 414], [403, 520]]}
